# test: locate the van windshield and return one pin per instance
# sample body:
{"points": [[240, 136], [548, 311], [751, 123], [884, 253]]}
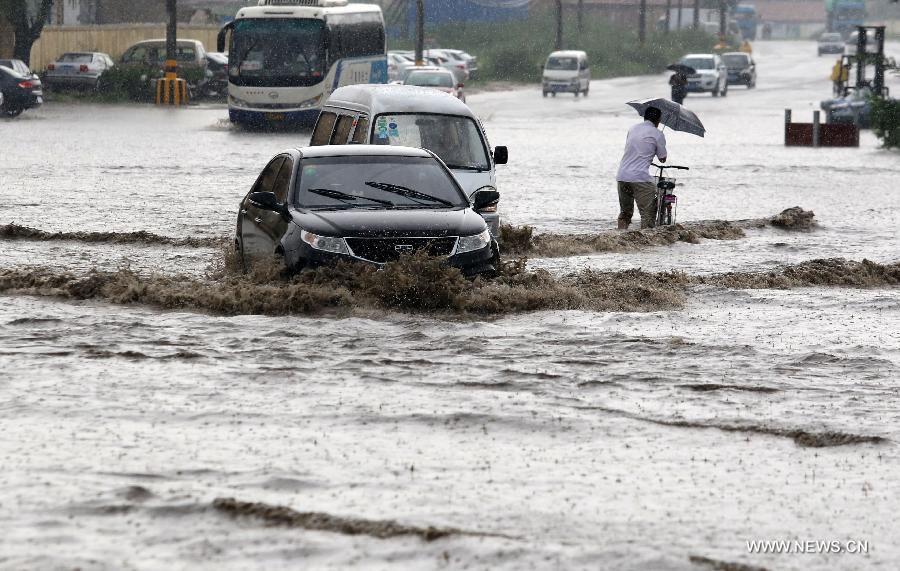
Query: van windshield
{"points": [[567, 63], [698, 62], [455, 139]]}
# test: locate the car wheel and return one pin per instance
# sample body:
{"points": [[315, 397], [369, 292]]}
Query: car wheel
{"points": [[725, 90], [12, 112], [545, 94], [577, 93], [553, 94], [717, 89]]}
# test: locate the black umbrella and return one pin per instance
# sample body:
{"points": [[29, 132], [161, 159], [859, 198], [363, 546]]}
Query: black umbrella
{"points": [[674, 116], [681, 68]]}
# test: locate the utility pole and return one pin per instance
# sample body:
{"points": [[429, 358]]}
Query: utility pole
{"points": [[642, 22], [680, 10], [668, 16], [171, 34], [723, 12], [559, 24], [420, 31], [696, 14], [580, 17]]}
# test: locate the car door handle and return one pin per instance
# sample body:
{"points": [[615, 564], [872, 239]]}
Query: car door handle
{"points": [[258, 220], [243, 212]]}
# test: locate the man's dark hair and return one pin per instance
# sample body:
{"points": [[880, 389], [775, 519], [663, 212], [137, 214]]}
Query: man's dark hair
{"points": [[652, 114]]}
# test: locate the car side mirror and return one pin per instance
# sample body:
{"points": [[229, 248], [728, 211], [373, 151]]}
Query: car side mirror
{"points": [[268, 201], [501, 155], [485, 198]]}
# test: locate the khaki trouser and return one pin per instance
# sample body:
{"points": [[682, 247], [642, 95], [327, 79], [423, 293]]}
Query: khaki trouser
{"points": [[644, 193]]}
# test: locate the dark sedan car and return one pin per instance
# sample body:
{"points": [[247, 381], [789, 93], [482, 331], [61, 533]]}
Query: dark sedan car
{"points": [[741, 69], [20, 92], [318, 205]]}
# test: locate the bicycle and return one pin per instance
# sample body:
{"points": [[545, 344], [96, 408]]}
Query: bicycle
{"points": [[665, 203]]}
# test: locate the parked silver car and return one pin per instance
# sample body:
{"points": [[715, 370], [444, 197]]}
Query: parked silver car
{"points": [[399, 64], [77, 69], [470, 60]]}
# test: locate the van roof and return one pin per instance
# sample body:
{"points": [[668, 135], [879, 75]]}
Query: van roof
{"points": [[163, 41], [380, 98], [568, 53], [362, 151]]}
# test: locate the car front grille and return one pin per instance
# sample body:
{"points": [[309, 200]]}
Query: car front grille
{"points": [[383, 250]]}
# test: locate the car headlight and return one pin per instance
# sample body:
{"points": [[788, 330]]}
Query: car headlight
{"points": [[472, 243], [325, 243]]}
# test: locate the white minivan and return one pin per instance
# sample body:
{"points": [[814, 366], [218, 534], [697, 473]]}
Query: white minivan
{"points": [[420, 117], [568, 72]]}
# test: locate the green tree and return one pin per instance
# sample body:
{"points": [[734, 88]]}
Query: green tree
{"points": [[27, 18]]}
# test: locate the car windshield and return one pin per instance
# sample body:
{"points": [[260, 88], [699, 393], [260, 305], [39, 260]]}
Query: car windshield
{"points": [[430, 79], [76, 58], [698, 62], [455, 139], [277, 52], [375, 182], [567, 63], [736, 60], [830, 38]]}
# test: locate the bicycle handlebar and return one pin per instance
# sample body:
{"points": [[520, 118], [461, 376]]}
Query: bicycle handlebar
{"points": [[661, 167]]}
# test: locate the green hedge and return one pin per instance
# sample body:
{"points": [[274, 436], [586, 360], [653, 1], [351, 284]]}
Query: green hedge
{"points": [[516, 50]]}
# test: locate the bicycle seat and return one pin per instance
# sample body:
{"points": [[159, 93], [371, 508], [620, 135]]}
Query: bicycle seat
{"points": [[666, 184]]}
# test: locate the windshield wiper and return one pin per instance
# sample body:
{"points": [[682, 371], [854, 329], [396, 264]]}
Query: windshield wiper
{"points": [[467, 167], [407, 192], [338, 195]]}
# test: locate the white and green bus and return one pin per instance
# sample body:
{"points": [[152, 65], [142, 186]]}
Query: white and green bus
{"points": [[285, 57]]}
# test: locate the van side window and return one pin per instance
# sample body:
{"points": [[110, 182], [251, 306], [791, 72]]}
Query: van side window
{"points": [[283, 180], [342, 130], [362, 130], [322, 134]]}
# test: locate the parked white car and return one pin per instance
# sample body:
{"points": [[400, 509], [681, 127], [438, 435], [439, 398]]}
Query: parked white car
{"points": [[711, 76], [77, 69], [399, 64], [436, 78]]}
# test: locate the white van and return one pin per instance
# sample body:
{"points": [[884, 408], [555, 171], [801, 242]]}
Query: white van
{"points": [[421, 117], [567, 71]]}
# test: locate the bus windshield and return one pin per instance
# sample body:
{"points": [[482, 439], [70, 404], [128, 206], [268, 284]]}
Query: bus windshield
{"points": [[277, 52]]}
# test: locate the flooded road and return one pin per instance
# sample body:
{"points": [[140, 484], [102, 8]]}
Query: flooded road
{"points": [[753, 397]]}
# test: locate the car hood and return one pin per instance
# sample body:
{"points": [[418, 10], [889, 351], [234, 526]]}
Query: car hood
{"points": [[470, 181], [384, 223]]}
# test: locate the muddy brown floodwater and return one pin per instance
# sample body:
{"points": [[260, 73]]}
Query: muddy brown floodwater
{"points": [[638, 400]]}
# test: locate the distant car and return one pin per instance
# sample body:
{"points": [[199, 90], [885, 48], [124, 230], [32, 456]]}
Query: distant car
{"points": [[216, 75], [741, 69], [469, 60], [22, 68], [711, 76], [437, 78], [566, 71], [151, 55], [447, 60], [831, 43], [399, 65], [77, 69], [18, 66], [318, 206], [19, 92]]}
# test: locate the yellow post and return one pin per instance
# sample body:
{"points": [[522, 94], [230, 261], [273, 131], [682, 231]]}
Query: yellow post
{"points": [[171, 90]]}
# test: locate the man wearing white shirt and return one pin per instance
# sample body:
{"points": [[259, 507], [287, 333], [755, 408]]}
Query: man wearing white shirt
{"points": [[644, 142]]}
